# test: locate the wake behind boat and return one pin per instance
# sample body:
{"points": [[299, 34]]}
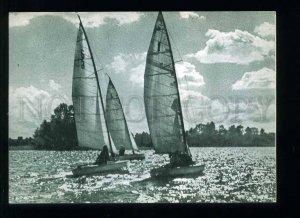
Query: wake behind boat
{"points": [[89, 114], [163, 106]]}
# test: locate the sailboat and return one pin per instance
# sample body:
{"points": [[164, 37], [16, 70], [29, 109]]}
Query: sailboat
{"points": [[89, 120], [163, 105], [117, 125]]}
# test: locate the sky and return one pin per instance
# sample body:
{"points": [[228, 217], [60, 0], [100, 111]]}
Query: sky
{"points": [[225, 64]]}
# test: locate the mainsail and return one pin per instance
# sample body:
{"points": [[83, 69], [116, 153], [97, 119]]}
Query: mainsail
{"points": [[89, 114], [161, 94], [116, 121]]}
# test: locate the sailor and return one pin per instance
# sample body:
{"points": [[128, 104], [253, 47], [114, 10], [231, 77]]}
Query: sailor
{"points": [[103, 157], [121, 150]]}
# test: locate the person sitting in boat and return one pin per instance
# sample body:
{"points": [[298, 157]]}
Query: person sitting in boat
{"points": [[121, 151], [178, 159], [103, 157]]}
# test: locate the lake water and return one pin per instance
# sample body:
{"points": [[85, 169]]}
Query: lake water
{"points": [[248, 175]]}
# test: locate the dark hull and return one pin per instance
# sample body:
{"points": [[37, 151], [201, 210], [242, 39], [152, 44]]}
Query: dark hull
{"points": [[98, 169]]}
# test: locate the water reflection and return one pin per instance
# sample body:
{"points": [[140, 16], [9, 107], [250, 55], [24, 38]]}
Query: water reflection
{"points": [[230, 175]]}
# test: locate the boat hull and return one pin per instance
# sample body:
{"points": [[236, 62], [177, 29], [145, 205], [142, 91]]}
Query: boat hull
{"points": [[98, 169], [131, 157], [167, 171]]}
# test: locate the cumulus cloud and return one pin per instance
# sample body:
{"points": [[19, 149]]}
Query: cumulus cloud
{"points": [[53, 85], [189, 79], [264, 78], [238, 47], [119, 64], [89, 19], [190, 82], [25, 109], [188, 14], [265, 29], [131, 64], [187, 71], [28, 106], [23, 19], [137, 74]]}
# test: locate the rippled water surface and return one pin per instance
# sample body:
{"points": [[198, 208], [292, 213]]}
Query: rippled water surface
{"points": [[230, 175]]}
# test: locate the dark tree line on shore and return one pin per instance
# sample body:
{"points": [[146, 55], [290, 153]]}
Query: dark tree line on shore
{"points": [[20, 141], [59, 133], [204, 135]]}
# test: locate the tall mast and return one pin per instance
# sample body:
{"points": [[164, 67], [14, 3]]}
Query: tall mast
{"points": [[95, 69], [178, 95], [122, 111]]}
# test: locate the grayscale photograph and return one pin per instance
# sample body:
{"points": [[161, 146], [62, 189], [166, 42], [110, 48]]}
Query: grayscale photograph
{"points": [[142, 107]]}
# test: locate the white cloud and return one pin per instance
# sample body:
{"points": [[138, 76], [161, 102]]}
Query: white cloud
{"points": [[187, 73], [188, 14], [264, 78], [131, 64], [265, 29], [28, 93], [26, 110], [137, 74], [53, 85], [193, 101], [238, 47], [28, 106], [23, 19], [89, 19], [119, 64]]}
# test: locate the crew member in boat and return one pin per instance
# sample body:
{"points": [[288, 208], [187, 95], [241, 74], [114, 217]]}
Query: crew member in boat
{"points": [[121, 151], [103, 157]]}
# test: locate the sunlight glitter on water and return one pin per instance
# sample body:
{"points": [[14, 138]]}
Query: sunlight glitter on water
{"points": [[231, 175]]}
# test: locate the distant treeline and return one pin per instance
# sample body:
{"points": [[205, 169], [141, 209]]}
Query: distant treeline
{"points": [[60, 134], [20, 141], [204, 135]]}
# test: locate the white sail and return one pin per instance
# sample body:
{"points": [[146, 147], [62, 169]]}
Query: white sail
{"points": [[100, 127], [113, 147], [89, 114], [161, 94], [116, 121], [133, 143]]}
